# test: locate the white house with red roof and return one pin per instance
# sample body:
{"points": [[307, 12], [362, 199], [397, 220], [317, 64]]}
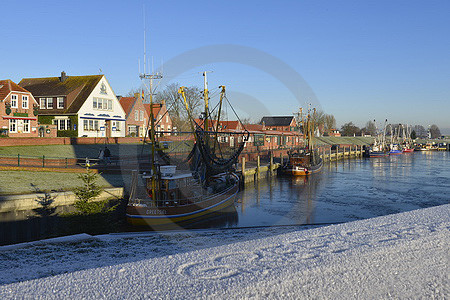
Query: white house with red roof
{"points": [[18, 111]]}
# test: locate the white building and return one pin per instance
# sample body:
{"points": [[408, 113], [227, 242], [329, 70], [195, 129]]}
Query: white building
{"points": [[81, 106]]}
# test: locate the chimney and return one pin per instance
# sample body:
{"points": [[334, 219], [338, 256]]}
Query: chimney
{"points": [[63, 76], [137, 95]]}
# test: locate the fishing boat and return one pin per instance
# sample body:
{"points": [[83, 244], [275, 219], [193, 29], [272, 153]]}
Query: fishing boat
{"points": [[378, 148], [306, 161], [394, 147], [407, 142], [177, 190]]}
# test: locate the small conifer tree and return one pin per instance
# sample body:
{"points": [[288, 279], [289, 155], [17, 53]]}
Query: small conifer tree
{"points": [[87, 192]]}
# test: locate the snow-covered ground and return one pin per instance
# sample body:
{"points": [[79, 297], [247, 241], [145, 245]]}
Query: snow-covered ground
{"points": [[396, 256]]}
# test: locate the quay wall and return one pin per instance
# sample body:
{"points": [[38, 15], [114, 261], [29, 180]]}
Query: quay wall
{"points": [[31, 201]]}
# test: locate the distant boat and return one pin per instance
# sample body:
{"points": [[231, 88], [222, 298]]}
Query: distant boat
{"points": [[378, 149], [395, 149], [306, 161]]}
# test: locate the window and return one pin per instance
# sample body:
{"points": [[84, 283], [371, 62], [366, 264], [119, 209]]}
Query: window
{"points": [[100, 103], [142, 115], [91, 124], [14, 101], [136, 115], [96, 125], [12, 125], [49, 103], [109, 104], [94, 103], [24, 101], [85, 125], [26, 126], [167, 119], [62, 125], [42, 103], [68, 124], [60, 102]]}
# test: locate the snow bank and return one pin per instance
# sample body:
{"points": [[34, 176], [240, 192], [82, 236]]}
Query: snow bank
{"points": [[400, 256]]}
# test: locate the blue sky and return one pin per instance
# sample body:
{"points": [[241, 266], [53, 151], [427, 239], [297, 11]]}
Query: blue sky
{"points": [[358, 60]]}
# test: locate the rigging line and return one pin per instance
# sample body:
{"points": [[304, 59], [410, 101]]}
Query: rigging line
{"points": [[226, 98]]}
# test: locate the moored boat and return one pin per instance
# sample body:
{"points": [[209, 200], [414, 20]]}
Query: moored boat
{"points": [[165, 197], [304, 162]]}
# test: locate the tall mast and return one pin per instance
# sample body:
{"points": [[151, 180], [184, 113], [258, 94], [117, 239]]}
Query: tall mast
{"points": [[149, 89], [206, 98]]}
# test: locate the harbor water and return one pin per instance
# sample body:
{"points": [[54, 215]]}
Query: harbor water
{"points": [[348, 190]]}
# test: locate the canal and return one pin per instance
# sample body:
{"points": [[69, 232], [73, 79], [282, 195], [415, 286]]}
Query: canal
{"points": [[348, 190], [345, 190]]}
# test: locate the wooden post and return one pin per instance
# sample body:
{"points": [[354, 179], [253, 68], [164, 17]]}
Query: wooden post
{"points": [[18, 160], [43, 160], [281, 158], [243, 167], [271, 164], [330, 154], [257, 168]]}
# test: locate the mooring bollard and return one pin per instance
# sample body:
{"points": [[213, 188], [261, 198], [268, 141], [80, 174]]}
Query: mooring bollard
{"points": [[257, 168]]}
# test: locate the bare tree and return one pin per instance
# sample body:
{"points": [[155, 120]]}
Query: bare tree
{"points": [[350, 129], [175, 104], [370, 128], [330, 122], [434, 131]]}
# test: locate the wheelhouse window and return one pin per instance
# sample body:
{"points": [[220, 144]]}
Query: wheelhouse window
{"points": [[60, 102], [49, 103], [42, 103], [12, 125], [24, 101], [14, 101]]}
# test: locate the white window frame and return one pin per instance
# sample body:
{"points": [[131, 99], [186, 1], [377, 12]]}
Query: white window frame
{"points": [[109, 104], [49, 100], [25, 101], [142, 115], [95, 103], [85, 125], [99, 103], [12, 125], [14, 101], [62, 124], [26, 126], [136, 115], [42, 103], [60, 102]]}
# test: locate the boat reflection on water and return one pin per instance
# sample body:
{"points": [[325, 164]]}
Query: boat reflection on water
{"points": [[279, 201]]}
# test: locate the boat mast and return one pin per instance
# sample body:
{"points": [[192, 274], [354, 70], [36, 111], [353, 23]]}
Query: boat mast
{"points": [[150, 77], [206, 98]]}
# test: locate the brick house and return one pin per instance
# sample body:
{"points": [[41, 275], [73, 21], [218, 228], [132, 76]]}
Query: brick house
{"points": [[78, 105], [135, 114], [163, 122], [280, 123], [18, 111]]}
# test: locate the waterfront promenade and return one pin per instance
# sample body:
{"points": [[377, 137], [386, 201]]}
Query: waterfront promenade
{"points": [[395, 256]]}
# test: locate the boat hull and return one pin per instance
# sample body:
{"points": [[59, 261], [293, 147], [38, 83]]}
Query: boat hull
{"points": [[299, 170], [167, 216], [378, 154], [395, 152], [409, 150]]}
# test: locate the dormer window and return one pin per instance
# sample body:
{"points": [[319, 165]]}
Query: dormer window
{"points": [[42, 103], [60, 101], [14, 101], [49, 103], [24, 101]]}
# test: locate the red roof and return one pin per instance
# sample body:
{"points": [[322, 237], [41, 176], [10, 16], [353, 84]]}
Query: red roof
{"points": [[7, 86], [156, 108], [127, 103]]}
